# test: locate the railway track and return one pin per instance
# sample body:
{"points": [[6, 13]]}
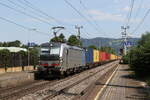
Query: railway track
{"points": [[11, 93], [21, 91], [6, 89], [63, 90]]}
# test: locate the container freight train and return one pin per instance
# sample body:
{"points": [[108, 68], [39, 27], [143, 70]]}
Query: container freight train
{"points": [[59, 59]]}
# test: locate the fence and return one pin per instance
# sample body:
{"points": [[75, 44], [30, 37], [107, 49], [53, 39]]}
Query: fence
{"points": [[11, 62]]}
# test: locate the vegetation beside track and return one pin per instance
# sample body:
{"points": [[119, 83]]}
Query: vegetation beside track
{"points": [[15, 59], [138, 58]]}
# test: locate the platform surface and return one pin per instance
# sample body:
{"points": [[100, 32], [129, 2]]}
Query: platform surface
{"points": [[124, 86]]}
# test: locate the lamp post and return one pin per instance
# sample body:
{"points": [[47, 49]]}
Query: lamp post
{"points": [[32, 29], [79, 32]]}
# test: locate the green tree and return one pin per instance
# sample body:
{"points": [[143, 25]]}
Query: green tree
{"points": [[16, 43], [24, 46], [5, 58], [92, 46], [60, 38], [34, 56], [73, 40], [5, 44], [23, 57], [1, 44], [145, 38], [139, 57], [108, 50], [55, 39]]}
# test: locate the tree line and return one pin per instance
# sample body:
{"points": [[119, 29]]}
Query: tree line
{"points": [[14, 59], [11, 59], [74, 41], [138, 57], [15, 43]]}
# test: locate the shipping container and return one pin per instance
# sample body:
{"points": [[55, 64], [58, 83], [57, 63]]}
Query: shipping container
{"points": [[96, 56], [100, 56], [108, 56], [89, 56], [103, 56], [112, 57]]}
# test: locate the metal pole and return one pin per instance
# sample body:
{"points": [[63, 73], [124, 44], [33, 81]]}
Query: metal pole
{"points": [[32, 29], [124, 37], [79, 32], [125, 41]]}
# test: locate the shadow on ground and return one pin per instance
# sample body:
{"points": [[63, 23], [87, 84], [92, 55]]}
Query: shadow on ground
{"points": [[141, 92]]}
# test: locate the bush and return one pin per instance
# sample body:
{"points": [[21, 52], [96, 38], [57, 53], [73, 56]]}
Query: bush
{"points": [[8, 59], [125, 59], [5, 58], [139, 57]]}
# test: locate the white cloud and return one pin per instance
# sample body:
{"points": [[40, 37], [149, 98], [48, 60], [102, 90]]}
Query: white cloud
{"points": [[99, 15], [72, 20], [104, 16], [126, 9], [116, 1], [39, 20]]}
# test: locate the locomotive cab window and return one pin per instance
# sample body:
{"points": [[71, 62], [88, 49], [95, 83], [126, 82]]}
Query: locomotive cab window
{"points": [[55, 50]]}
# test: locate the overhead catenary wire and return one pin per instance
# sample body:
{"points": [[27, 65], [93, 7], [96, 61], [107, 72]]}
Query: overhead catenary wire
{"points": [[24, 13], [26, 9], [139, 9], [22, 26], [142, 20], [130, 13], [31, 6], [28, 4], [89, 22], [90, 16], [22, 7]]}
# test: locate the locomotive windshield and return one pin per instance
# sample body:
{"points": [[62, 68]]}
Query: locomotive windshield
{"points": [[54, 50], [50, 54]]}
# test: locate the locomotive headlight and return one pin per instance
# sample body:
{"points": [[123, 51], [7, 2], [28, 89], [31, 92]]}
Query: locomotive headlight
{"points": [[61, 60]]}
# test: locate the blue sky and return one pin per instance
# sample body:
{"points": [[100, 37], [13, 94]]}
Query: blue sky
{"points": [[110, 15]]}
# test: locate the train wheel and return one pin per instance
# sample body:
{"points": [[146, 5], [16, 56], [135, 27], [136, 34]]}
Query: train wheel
{"points": [[37, 76], [62, 74]]}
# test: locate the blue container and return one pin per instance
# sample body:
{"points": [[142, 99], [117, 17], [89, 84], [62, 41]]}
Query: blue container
{"points": [[83, 58], [89, 56]]}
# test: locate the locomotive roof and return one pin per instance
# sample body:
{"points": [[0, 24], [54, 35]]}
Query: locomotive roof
{"points": [[58, 44]]}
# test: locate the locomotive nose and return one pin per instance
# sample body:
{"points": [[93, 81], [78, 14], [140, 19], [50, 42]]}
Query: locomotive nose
{"points": [[55, 64]]}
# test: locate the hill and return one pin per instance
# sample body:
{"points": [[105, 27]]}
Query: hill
{"points": [[114, 43]]}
